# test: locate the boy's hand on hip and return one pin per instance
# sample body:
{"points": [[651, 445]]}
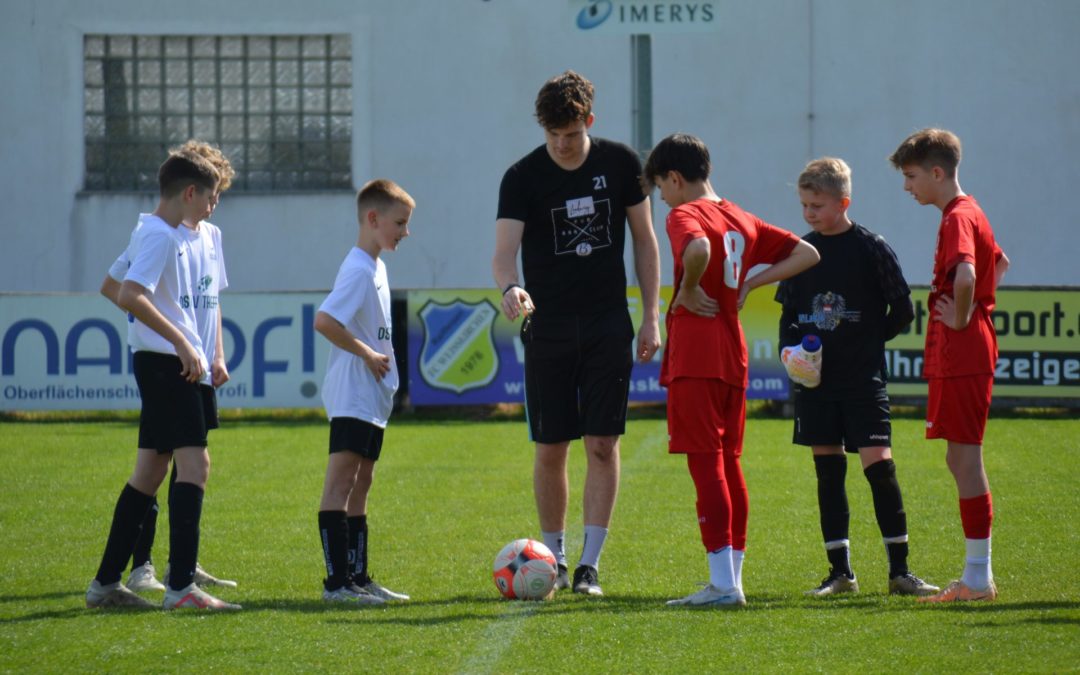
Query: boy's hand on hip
{"points": [[695, 300], [945, 312], [378, 364]]}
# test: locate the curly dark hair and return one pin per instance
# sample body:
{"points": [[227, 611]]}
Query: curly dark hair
{"points": [[563, 100]]}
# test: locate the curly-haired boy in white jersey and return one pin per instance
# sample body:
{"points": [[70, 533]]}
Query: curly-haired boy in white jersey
{"points": [[143, 575], [358, 391], [160, 290]]}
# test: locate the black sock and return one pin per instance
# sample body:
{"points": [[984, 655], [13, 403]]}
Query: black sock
{"points": [[833, 507], [141, 555], [358, 541], [131, 507], [185, 512], [889, 509], [334, 534]]}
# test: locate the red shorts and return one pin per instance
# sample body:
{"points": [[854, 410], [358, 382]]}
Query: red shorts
{"points": [[958, 407], [705, 415]]}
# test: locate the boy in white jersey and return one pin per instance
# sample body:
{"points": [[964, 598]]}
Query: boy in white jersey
{"points": [[143, 576], [358, 391], [171, 273]]}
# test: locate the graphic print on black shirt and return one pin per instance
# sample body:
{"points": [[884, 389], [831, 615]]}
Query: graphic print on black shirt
{"points": [[582, 226]]}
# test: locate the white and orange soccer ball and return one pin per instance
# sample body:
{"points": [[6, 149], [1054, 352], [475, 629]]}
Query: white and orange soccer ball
{"points": [[525, 570]]}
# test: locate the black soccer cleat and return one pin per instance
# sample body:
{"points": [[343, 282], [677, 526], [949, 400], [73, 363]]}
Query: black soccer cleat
{"points": [[586, 581]]}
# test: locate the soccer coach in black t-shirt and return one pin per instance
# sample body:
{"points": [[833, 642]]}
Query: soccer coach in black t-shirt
{"points": [[565, 205]]}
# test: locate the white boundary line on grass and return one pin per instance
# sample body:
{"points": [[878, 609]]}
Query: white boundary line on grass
{"points": [[497, 637]]}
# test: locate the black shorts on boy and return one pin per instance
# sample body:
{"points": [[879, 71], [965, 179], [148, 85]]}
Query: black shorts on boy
{"points": [[855, 422], [355, 435], [577, 374], [175, 413]]}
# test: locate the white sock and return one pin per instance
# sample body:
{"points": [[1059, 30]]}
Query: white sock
{"points": [[736, 563], [594, 544], [555, 541], [977, 574], [721, 569]]}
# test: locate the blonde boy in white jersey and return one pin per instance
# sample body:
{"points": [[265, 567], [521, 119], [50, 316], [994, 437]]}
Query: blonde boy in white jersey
{"points": [[172, 371], [143, 575], [358, 391]]}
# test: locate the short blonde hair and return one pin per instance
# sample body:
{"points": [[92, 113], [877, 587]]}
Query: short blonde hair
{"points": [[213, 155], [830, 175], [381, 194]]}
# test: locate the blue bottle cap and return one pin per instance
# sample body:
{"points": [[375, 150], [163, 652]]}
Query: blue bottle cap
{"points": [[811, 343]]}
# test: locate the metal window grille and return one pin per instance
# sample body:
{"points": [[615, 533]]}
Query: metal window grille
{"points": [[278, 106]]}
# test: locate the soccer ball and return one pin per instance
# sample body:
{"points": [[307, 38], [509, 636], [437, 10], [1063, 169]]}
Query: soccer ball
{"points": [[524, 570]]}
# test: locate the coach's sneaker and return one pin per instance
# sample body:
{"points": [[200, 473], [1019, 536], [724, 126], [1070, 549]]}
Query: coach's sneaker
{"points": [[143, 578], [958, 591], [204, 578], [909, 584], [711, 596], [834, 584], [562, 578], [193, 597], [368, 585], [586, 581], [113, 595], [351, 593]]}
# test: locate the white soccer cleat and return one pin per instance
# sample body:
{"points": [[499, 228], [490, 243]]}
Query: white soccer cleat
{"points": [[711, 596], [144, 578], [380, 591], [113, 595], [193, 597], [204, 578], [352, 593]]}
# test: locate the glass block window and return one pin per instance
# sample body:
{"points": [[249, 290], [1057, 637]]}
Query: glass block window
{"points": [[279, 106]]}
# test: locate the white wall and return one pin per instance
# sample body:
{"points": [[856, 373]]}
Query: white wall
{"points": [[443, 94]]}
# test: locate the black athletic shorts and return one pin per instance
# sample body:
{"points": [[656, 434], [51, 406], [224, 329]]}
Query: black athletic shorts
{"points": [[175, 413], [861, 422], [577, 374], [363, 438]]}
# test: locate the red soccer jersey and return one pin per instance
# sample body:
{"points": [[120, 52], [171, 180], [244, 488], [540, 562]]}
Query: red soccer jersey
{"points": [[715, 348], [964, 236]]}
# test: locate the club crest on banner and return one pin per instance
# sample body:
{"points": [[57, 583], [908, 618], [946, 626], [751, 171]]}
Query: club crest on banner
{"points": [[458, 353]]}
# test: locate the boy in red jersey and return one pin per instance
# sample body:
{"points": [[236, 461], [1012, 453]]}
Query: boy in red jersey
{"points": [[961, 346], [704, 368]]}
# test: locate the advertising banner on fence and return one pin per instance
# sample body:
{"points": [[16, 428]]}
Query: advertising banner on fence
{"points": [[69, 352], [462, 350], [1038, 331]]}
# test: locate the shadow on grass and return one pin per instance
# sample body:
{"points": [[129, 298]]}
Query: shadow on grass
{"points": [[485, 609]]}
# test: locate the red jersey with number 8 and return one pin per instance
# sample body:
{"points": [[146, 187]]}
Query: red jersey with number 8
{"points": [[714, 347]]}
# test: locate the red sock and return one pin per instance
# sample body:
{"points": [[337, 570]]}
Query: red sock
{"points": [[976, 515], [713, 502], [740, 501]]}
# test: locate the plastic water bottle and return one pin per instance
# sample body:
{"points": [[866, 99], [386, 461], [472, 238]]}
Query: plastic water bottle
{"points": [[803, 361]]}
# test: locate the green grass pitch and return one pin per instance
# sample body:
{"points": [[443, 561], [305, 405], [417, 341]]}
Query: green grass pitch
{"points": [[449, 494]]}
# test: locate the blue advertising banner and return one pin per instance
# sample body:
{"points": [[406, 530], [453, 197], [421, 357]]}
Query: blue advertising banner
{"points": [[462, 350]]}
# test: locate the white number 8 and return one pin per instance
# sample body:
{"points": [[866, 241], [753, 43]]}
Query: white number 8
{"points": [[734, 244]]}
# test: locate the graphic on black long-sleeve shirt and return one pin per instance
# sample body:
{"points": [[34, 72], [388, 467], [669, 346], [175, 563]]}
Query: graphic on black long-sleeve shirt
{"points": [[828, 311], [582, 226]]}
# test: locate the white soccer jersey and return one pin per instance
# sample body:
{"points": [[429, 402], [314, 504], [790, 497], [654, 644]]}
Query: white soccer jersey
{"points": [[360, 301], [175, 265], [211, 279]]}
